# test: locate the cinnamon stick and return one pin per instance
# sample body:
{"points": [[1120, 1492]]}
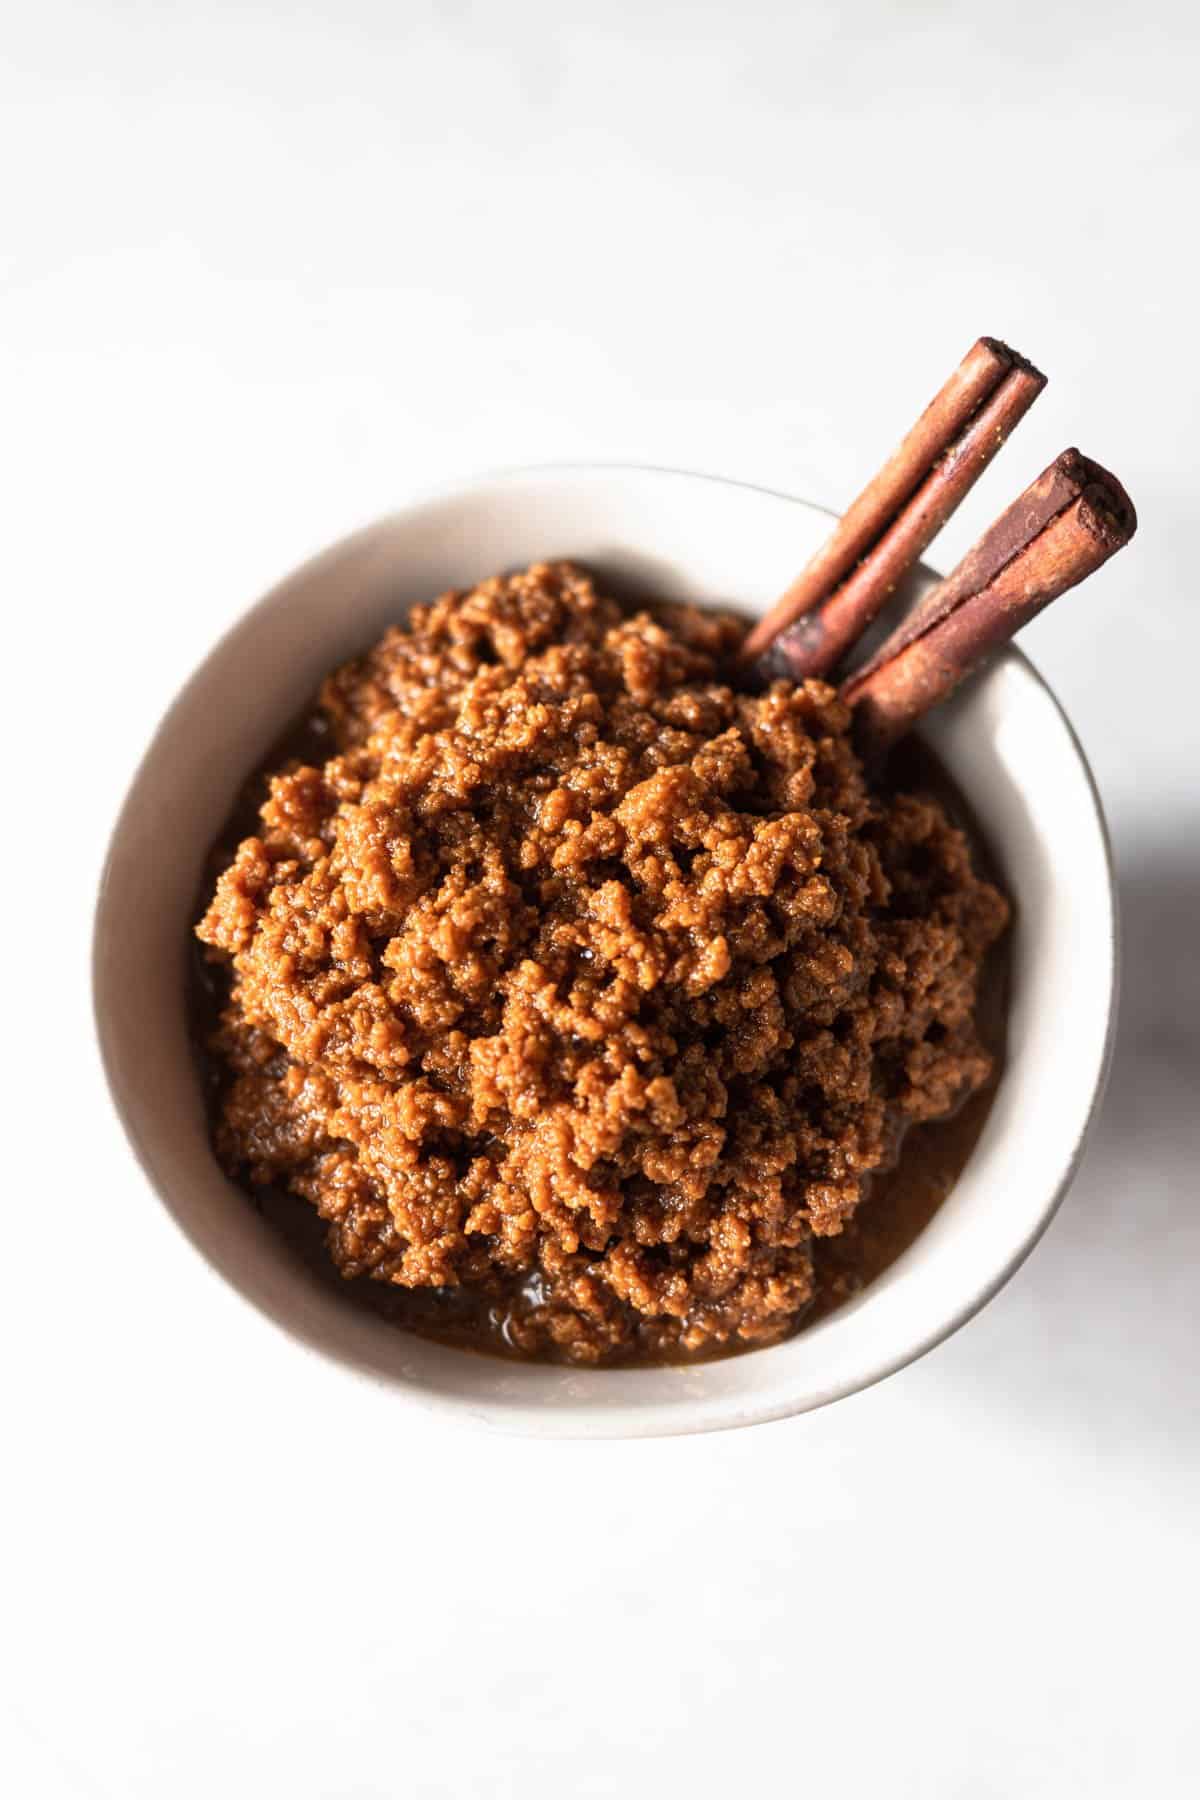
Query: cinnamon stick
{"points": [[898, 513], [1061, 529]]}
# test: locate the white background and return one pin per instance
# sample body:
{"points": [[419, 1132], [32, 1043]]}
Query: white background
{"points": [[267, 268]]}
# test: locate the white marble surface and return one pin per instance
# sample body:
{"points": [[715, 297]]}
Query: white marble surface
{"points": [[264, 271]]}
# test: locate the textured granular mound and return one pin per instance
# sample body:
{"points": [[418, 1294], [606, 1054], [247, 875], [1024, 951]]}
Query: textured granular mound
{"points": [[579, 981]]}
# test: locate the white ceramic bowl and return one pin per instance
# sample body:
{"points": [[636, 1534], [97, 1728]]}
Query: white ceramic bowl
{"points": [[1004, 739]]}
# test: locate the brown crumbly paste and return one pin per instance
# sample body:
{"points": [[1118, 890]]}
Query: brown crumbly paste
{"points": [[579, 993]]}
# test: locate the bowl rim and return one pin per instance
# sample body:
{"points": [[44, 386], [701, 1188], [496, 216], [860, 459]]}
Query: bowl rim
{"points": [[732, 1412]]}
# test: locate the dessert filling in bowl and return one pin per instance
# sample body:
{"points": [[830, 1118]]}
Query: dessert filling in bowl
{"points": [[570, 1001]]}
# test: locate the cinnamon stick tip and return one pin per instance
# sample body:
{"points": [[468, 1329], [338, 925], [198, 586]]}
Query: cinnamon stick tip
{"points": [[1105, 504], [1006, 353]]}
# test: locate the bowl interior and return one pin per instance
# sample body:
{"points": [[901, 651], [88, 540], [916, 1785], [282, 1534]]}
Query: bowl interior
{"points": [[1004, 740]]}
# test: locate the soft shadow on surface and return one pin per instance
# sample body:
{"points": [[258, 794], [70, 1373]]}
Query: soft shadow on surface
{"points": [[1097, 1337]]}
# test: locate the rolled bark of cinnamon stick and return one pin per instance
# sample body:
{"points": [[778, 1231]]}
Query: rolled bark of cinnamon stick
{"points": [[1061, 529], [897, 515]]}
